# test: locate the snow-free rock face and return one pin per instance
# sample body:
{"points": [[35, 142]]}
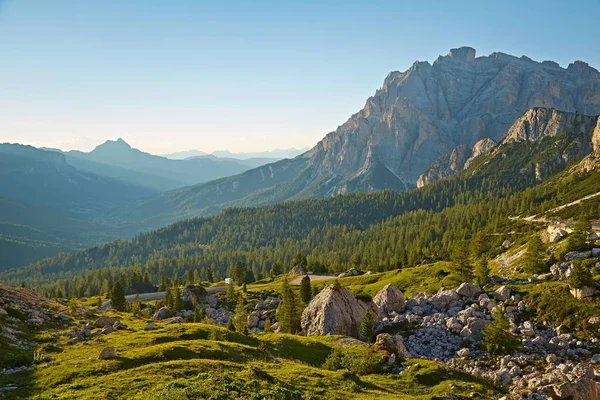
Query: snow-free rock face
{"points": [[335, 311], [389, 299], [456, 160], [430, 109]]}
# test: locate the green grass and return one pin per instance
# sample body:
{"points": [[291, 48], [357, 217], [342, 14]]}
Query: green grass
{"points": [[204, 361]]}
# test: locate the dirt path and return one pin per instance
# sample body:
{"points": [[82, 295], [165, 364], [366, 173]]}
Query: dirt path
{"points": [[296, 280]]}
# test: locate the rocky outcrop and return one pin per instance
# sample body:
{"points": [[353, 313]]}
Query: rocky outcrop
{"points": [[455, 161], [162, 313], [389, 299], [539, 123], [335, 311]]}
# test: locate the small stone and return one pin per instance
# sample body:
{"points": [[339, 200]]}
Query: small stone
{"points": [[107, 353]]}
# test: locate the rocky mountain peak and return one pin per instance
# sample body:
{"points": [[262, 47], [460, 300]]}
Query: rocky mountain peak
{"points": [[464, 54]]}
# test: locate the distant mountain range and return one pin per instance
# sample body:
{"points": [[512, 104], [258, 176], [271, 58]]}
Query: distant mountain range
{"points": [[119, 160], [273, 155], [416, 118], [424, 124]]}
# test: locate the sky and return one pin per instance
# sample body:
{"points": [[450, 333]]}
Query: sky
{"points": [[242, 75]]}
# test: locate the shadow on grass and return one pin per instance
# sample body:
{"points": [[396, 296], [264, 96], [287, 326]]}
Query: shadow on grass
{"points": [[311, 353]]}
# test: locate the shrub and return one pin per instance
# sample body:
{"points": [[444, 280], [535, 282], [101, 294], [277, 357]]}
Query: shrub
{"points": [[496, 336], [582, 275], [358, 360]]}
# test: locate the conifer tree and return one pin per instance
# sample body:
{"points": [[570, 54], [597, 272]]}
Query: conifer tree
{"points": [[230, 294], [169, 298], [275, 270], [306, 289], [288, 312], [199, 314], [482, 272], [240, 316], [267, 326], [496, 336], [117, 297], [533, 260], [136, 306], [230, 325], [209, 274], [366, 326], [461, 265], [177, 301]]}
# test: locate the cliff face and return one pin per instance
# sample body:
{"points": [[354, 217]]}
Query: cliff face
{"points": [[422, 113], [456, 160]]}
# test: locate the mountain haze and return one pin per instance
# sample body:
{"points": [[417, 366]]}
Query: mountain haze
{"points": [[119, 160], [413, 119]]}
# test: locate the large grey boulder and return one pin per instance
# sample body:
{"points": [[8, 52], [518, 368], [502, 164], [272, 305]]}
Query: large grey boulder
{"points": [[162, 313], [335, 311], [467, 289], [502, 293], [389, 299], [105, 321]]}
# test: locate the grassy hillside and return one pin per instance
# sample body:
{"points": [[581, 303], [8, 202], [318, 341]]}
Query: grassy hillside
{"points": [[203, 361]]}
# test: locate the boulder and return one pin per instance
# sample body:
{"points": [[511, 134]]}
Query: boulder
{"points": [[162, 313], [583, 293], [335, 311], [275, 327], [105, 321], [389, 299], [468, 290], [351, 272], [3, 311], [253, 321], [506, 244], [298, 270], [119, 325], [392, 344], [107, 353], [108, 329], [149, 327], [502, 293], [578, 255]]}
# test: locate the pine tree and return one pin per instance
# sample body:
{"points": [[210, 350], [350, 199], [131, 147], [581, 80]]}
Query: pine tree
{"points": [[288, 312], [496, 336], [461, 265], [533, 261], [245, 288], [482, 272], [366, 326], [117, 297], [306, 289], [230, 294], [230, 325], [577, 240], [169, 298], [581, 276], [177, 301], [240, 316], [275, 270], [199, 314], [98, 302], [136, 306], [267, 326], [209, 274], [239, 273]]}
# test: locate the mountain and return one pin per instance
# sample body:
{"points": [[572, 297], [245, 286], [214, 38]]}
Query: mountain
{"points": [[33, 175], [413, 119], [47, 205], [119, 160], [273, 154], [182, 155], [536, 167]]}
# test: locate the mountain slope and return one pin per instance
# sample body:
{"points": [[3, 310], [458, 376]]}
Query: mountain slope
{"points": [[533, 169], [43, 177], [119, 160], [417, 116], [46, 205]]}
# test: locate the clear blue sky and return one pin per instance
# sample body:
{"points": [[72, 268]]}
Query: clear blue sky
{"points": [[247, 75]]}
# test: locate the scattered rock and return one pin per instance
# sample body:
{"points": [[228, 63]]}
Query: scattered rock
{"points": [[502, 293], [105, 321], [162, 313], [107, 353], [149, 327], [468, 290]]}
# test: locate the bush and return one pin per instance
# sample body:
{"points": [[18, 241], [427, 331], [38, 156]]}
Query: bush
{"points": [[496, 336], [358, 360], [582, 274]]}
